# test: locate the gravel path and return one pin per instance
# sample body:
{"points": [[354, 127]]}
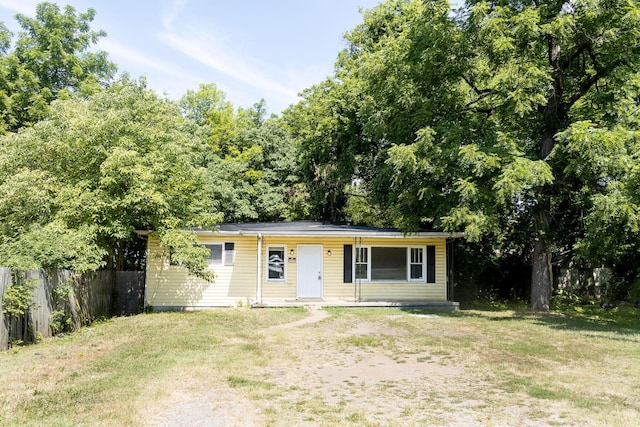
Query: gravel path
{"points": [[221, 406]]}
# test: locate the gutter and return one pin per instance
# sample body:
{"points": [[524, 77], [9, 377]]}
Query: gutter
{"points": [[303, 233], [333, 234]]}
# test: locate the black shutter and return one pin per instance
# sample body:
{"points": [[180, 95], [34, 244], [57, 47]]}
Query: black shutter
{"points": [[431, 264], [348, 263]]}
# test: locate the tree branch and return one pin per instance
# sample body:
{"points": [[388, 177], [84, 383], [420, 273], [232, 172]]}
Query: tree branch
{"points": [[599, 75], [474, 87], [481, 97]]}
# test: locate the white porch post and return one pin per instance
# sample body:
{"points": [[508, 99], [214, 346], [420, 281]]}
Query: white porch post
{"points": [[259, 272]]}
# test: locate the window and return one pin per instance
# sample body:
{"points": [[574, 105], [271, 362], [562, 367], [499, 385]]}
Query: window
{"points": [[393, 264], [416, 266], [388, 264], [275, 264], [215, 253], [362, 263]]}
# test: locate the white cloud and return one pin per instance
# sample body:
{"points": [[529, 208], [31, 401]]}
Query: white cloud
{"points": [[220, 59], [134, 56], [202, 45], [163, 75]]}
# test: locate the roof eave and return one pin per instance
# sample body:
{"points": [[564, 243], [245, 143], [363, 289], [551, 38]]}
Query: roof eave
{"points": [[397, 235], [345, 233]]}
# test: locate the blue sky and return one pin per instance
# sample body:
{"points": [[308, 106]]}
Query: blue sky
{"points": [[251, 49]]}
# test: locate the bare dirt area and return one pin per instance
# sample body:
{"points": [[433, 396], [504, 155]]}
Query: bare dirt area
{"points": [[347, 371]]}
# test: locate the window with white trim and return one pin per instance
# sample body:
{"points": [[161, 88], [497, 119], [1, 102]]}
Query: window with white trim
{"points": [[362, 263], [416, 264], [276, 265], [215, 253], [220, 253], [394, 263], [388, 264]]}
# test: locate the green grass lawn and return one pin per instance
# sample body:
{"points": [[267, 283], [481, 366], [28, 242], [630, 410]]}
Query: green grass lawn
{"points": [[356, 367]]}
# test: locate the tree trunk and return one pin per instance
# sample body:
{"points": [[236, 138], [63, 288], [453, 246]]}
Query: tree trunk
{"points": [[541, 273], [541, 276]]}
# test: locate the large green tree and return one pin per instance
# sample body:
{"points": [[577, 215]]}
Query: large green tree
{"points": [[74, 187], [328, 136], [470, 121], [252, 161], [549, 64], [49, 59]]}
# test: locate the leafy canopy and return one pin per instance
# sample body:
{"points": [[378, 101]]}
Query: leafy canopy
{"points": [[74, 187], [50, 59]]}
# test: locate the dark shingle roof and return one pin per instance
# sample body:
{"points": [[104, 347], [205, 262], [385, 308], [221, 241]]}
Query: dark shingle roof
{"points": [[306, 228]]}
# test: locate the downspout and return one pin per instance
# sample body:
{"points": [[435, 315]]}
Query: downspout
{"points": [[259, 272]]}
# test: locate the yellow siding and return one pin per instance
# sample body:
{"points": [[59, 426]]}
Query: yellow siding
{"points": [[333, 286], [171, 286]]}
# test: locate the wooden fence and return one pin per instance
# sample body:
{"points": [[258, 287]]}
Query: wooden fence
{"points": [[93, 295]]}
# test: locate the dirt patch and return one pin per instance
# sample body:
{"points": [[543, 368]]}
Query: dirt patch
{"points": [[220, 406], [346, 370], [360, 378], [316, 314]]}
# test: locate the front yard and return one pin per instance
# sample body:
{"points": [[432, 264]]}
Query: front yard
{"points": [[352, 367]]}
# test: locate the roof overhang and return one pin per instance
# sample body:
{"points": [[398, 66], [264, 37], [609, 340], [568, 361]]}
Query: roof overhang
{"points": [[396, 235], [347, 231]]}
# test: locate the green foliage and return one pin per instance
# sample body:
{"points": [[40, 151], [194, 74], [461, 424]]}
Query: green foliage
{"points": [[251, 165], [60, 320], [73, 188], [325, 130], [18, 297], [183, 248], [208, 108], [562, 299], [514, 122], [255, 183], [51, 59]]}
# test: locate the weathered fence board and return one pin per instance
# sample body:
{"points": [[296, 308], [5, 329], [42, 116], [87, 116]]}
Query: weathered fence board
{"points": [[5, 280], [95, 294], [40, 312]]}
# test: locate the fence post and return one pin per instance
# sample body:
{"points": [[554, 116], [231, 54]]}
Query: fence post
{"points": [[5, 280]]}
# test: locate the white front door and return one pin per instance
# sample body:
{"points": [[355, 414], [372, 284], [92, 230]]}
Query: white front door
{"points": [[309, 271]]}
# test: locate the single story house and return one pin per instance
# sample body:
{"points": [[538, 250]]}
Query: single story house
{"points": [[287, 263]]}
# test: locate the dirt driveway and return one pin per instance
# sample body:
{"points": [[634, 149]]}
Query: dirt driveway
{"points": [[361, 379]]}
